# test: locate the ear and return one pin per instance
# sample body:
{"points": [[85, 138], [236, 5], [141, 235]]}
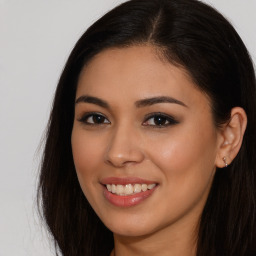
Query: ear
{"points": [[231, 137]]}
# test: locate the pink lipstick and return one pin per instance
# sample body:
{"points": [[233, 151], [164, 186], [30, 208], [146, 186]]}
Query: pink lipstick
{"points": [[127, 191]]}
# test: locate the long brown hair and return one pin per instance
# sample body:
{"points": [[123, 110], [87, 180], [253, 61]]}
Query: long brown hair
{"points": [[198, 38]]}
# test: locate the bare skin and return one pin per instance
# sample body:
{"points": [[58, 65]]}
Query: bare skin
{"points": [[139, 117]]}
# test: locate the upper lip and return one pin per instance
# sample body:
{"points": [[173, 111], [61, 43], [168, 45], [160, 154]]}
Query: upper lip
{"points": [[125, 180]]}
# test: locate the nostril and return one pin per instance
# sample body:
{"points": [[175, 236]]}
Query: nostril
{"points": [[124, 156]]}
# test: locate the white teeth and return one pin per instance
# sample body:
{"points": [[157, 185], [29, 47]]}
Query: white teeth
{"points": [[144, 187], [128, 189], [137, 188], [150, 186], [113, 188], [119, 189]]}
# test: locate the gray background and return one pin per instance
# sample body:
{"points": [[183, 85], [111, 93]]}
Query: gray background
{"points": [[36, 38]]}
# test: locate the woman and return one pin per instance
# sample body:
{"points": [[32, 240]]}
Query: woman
{"points": [[151, 142]]}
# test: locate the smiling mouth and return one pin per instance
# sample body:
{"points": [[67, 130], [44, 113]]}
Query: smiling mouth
{"points": [[129, 189]]}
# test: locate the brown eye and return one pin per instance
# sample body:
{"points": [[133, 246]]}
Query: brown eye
{"points": [[94, 119], [97, 119], [160, 120]]}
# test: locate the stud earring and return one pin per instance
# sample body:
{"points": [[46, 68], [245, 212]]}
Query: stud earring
{"points": [[225, 161]]}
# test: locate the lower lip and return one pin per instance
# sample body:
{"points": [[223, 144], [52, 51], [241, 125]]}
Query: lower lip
{"points": [[127, 201]]}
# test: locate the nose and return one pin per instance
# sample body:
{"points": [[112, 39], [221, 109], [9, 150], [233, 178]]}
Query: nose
{"points": [[125, 147]]}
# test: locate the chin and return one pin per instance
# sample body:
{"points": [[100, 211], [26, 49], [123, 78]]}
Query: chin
{"points": [[130, 232], [130, 228]]}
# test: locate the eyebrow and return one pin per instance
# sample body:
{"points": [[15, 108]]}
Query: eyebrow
{"points": [[138, 104], [93, 100], [156, 100]]}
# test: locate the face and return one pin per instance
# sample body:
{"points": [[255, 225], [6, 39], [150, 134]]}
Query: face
{"points": [[144, 142]]}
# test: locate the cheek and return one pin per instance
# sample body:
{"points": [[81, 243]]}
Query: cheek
{"points": [[86, 155], [184, 156], [186, 163]]}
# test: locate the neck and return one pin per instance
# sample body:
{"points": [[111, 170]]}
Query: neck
{"points": [[174, 241]]}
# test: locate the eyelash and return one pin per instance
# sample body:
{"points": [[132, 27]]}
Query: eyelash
{"points": [[84, 119], [168, 120]]}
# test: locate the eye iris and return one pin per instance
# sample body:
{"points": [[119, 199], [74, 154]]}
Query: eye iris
{"points": [[159, 120], [97, 119]]}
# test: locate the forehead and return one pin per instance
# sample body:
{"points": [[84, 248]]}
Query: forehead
{"points": [[136, 72]]}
